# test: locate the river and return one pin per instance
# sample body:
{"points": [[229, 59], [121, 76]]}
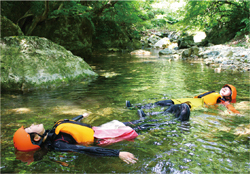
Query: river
{"points": [[206, 144]]}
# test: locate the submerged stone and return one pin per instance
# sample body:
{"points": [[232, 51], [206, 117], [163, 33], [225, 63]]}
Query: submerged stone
{"points": [[166, 51], [29, 62]]}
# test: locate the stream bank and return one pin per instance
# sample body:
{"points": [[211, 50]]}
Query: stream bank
{"points": [[232, 56]]}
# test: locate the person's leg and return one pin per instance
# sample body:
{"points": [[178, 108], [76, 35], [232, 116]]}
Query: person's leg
{"points": [[142, 115], [181, 111], [164, 103], [137, 126], [132, 123], [138, 106], [150, 105]]}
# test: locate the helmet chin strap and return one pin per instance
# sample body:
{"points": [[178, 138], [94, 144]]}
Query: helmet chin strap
{"points": [[41, 140]]}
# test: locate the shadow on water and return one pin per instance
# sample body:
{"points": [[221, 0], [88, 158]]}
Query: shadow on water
{"points": [[206, 144]]}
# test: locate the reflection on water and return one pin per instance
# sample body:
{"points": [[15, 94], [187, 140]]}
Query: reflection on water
{"points": [[209, 143]]}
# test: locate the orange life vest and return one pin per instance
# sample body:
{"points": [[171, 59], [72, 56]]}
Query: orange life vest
{"points": [[82, 133], [210, 97]]}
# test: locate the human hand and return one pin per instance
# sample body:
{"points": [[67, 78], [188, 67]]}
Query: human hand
{"points": [[85, 115], [127, 157]]}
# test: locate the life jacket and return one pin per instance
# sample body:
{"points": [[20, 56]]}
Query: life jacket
{"points": [[193, 102], [81, 132], [210, 97]]}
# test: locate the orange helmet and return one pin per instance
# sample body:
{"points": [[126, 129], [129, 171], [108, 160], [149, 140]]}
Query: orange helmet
{"points": [[22, 141], [233, 94]]}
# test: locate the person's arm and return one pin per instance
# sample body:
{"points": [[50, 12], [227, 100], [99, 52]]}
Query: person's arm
{"points": [[230, 107], [79, 117], [95, 151]]}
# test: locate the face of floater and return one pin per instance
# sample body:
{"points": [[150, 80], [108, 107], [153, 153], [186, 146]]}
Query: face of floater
{"points": [[38, 128], [225, 92]]}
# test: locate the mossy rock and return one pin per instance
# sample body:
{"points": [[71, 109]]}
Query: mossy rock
{"points": [[29, 62], [8, 28]]}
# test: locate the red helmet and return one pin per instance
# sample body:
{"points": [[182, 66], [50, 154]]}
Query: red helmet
{"points": [[22, 142], [233, 94]]}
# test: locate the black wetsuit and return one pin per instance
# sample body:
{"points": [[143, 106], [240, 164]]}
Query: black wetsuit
{"points": [[180, 111], [66, 143]]}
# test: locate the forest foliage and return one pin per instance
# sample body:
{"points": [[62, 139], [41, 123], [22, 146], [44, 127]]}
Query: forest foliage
{"points": [[120, 22], [232, 15]]}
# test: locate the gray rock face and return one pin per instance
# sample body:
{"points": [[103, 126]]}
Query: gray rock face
{"points": [[166, 51], [226, 58], [186, 42], [29, 62]]}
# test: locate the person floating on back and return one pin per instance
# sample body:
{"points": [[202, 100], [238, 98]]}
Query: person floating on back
{"points": [[71, 136], [181, 107]]}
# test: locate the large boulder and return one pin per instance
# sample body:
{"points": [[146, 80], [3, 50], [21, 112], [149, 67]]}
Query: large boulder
{"points": [[194, 52], [8, 28], [29, 62], [163, 43], [153, 39], [166, 51]]}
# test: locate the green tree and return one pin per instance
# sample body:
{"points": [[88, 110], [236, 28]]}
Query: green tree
{"points": [[117, 25], [224, 16]]}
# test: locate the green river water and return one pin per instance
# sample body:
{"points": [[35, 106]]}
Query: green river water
{"points": [[208, 143]]}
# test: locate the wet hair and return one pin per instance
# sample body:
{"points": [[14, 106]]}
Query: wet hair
{"points": [[39, 154]]}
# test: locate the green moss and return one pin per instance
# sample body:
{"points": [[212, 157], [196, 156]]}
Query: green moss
{"points": [[33, 62], [8, 28]]}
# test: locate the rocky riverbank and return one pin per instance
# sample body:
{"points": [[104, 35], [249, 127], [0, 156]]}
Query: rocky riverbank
{"points": [[225, 57], [219, 57]]}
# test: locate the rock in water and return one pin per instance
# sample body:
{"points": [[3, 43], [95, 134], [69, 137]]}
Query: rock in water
{"points": [[29, 62]]}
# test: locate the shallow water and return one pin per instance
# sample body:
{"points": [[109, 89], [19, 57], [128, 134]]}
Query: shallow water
{"points": [[206, 144]]}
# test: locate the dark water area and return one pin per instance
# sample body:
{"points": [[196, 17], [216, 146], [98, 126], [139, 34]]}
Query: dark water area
{"points": [[206, 144]]}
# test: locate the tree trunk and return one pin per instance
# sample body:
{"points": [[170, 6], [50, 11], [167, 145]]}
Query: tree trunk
{"points": [[38, 19]]}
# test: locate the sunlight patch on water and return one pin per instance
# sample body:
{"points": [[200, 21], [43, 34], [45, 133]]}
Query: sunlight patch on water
{"points": [[141, 88], [69, 110], [109, 74], [20, 110]]}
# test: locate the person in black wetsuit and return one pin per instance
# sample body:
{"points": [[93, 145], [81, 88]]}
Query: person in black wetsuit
{"points": [[181, 107], [65, 142], [180, 111]]}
